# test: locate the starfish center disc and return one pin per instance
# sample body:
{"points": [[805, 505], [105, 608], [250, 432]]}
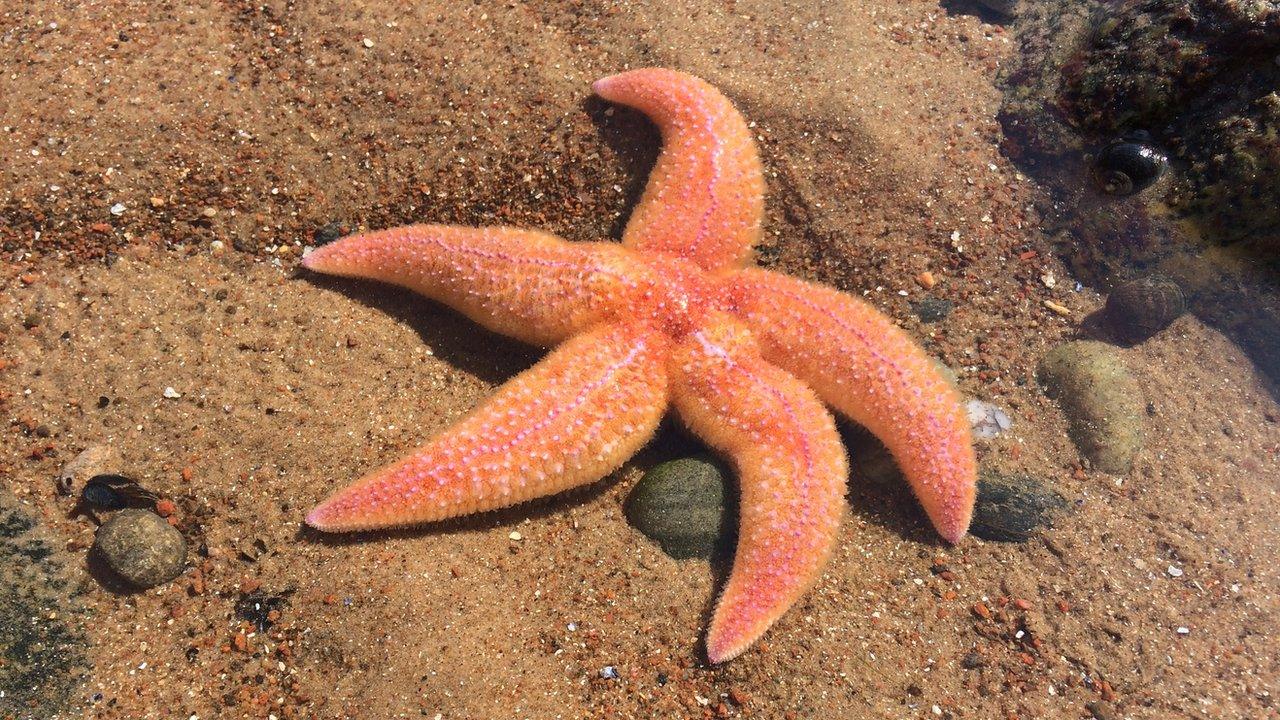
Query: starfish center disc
{"points": [[676, 295]]}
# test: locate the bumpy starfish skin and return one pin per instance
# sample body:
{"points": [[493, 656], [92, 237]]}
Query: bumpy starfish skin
{"points": [[671, 316]]}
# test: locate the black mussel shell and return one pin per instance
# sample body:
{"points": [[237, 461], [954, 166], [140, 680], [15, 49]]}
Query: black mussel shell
{"points": [[1128, 165], [113, 492]]}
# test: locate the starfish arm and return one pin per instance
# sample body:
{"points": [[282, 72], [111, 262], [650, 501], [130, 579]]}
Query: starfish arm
{"points": [[791, 467], [569, 420], [705, 197], [867, 368], [525, 284]]}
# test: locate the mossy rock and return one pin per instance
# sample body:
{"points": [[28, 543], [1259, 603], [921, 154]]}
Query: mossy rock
{"points": [[1013, 508], [680, 504], [1101, 400]]}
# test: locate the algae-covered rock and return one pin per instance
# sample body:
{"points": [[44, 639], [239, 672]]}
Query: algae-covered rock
{"points": [[1013, 508], [1101, 400], [141, 547], [1197, 80], [681, 505]]}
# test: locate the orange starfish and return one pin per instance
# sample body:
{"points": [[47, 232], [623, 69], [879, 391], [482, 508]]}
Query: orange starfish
{"points": [[672, 316]]}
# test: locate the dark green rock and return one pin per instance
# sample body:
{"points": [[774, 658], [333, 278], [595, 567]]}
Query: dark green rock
{"points": [[1101, 400], [141, 547], [681, 505], [41, 642], [1013, 508]]}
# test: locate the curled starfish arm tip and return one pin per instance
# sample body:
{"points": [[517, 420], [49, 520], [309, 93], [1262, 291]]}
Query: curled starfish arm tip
{"points": [[705, 197]]}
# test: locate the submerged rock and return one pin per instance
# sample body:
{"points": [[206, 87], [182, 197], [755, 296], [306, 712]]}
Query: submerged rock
{"points": [[1013, 508], [141, 548], [932, 310], [1101, 400], [1199, 78], [681, 505]]}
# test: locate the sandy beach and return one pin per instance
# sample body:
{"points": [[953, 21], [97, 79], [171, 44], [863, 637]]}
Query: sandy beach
{"points": [[164, 167]]}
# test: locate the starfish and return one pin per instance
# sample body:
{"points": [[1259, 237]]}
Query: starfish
{"points": [[674, 316]]}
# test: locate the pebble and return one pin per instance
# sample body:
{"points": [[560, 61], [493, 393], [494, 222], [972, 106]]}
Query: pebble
{"points": [[609, 672], [327, 233], [171, 393], [1101, 400], [931, 309], [1100, 711], [988, 420], [93, 460], [1013, 508], [680, 505], [117, 209], [1138, 309], [140, 547]]}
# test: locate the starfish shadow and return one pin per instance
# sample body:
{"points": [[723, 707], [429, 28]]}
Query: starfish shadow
{"points": [[453, 338], [877, 491], [636, 143]]}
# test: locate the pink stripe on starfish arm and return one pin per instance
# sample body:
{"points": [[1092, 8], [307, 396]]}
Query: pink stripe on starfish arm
{"points": [[569, 420], [791, 468], [525, 284], [867, 368], [705, 197]]}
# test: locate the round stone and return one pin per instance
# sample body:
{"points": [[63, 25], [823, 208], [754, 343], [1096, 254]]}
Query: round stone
{"points": [[141, 547], [681, 505]]}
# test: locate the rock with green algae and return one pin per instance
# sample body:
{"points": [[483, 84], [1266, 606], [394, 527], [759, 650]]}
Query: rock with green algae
{"points": [[1013, 508], [1101, 400], [680, 504], [1196, 75]]}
